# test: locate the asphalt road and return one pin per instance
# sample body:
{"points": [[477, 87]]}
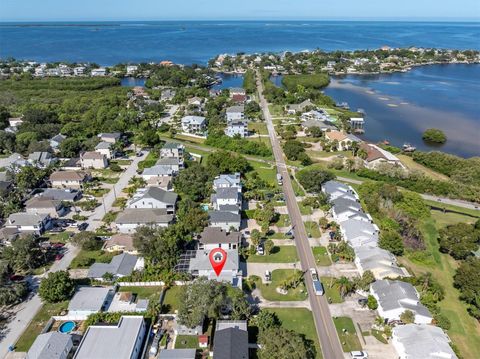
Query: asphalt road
{"points": [[326, 332], [23, 313]]}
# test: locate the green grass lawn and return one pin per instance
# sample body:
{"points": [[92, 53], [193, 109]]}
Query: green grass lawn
{"points": [[305, 210], [150, 293], [265, 171], [149, 161], [38, 323], [448, 218], [278, 276], [467, 211], [277, 235], [301, 321], [189, 138], [379, 336], [171, 301], [312, 229], [348, 338], [321, 256], [258, 127], [58, 237], [276, 110], [299, 192], [280, 254], [186, 342], [85, 259], [332, 291], [283, 220]]}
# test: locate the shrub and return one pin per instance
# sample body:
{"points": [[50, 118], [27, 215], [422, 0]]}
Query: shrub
{"points": [[434, 135]]}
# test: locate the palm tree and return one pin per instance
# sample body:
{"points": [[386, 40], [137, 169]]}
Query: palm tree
{"points": [[345, 286]]}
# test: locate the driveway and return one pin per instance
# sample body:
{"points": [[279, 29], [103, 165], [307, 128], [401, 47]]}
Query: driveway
{"points": [[22, 314]]}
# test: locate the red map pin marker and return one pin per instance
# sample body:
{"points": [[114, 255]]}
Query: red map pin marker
{"points": [[218, 257]]}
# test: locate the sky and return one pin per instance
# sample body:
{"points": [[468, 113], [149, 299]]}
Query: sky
{"points": [[97, 10]]}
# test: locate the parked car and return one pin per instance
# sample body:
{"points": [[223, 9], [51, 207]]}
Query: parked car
{"points": [[359, 355], [82, 226], [317, 284], [17, 278], [363, 301], [260, 250], [58, 245], [58, 256], [57, 230], [268, 276]]}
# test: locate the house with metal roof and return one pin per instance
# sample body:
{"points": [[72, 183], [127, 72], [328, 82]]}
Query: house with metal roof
{"points": [[51, 345], [42, 159], [120, 266], [105, 148], [335, 189], [124, 340], [42, 205], [228, 181], [56, 141], [154, 197], [380, 262], [395, 297], [413, 341], [131, 218], [231, 340], [235, 113]]}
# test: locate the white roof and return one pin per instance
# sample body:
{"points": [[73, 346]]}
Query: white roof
{"points": [[89, 299], [193, 119]]}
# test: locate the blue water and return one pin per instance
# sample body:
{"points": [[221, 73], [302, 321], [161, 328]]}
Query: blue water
{"points": [[229, 81], [66, 327], [401, 106], [132, 81], [188, 42]]}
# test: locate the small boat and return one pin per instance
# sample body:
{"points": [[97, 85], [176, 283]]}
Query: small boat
{"points": [[408, 148], [362, 111]]}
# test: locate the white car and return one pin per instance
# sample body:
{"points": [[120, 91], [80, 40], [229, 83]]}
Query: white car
{"points": [[359, 355]]}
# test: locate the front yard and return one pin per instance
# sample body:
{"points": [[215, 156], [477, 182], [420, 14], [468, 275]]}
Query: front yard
{"points": [[332, 290], [269, 291], [280, 254], [347, 334], [321, 256]]}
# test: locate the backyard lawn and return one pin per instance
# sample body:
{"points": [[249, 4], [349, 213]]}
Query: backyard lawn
{"points": [[283, 220], [171, 301], [258, 127], [38, 323], [332, 291], [280, 254], [321, 256], [312, 229], [85, 259], [269, 291], [265, 171], [299, 320], [150, 293], [347, 334], [186, 342]]}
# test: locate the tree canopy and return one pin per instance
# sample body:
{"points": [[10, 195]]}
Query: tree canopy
{"points": [[58, 286]]}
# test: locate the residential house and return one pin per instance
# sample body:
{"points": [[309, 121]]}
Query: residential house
{"points": [[343, 208], [131, 69], [101, 71], [237, 91], [395, 297], [376, 156], [29, 223], [225, 219], [111, 137], [51, 345], [89, 300], [172, 150], [79, 70], [104, 148], [228, 181], [157, 172], [324, 126], [380, 262], [120, 266], [313, 115], [335, 189], [177, 354], [72, 164], [41, 205], [15, 121], [69, 179], [359, 233], [299, 108], [154, 197], [94, 160], [214, 237], [195, 102], [120, 243], [8, 235], [124, 340], [231, 340], [237, 128], [131, 218], [226, 196], [200, 266], [63, 195], [195, 125], [413, 341], [56, 141], [170, 164], [42, 159], [6, 184], [343, 141], [235, 113], [167, 95]]}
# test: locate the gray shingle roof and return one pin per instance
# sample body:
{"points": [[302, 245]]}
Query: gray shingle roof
{"points": [[51, 345], [225, 193], [177, 354], [378, 259], [103, 145], [25, 219], [89, 299], [143, 216], [202, 260], [172, 145], [231, 343], [223, 217], [236, 109], [158, 194], [214, 235], [60, 194], [169, 161], [157, 170], [122, 264], [343, 204]]}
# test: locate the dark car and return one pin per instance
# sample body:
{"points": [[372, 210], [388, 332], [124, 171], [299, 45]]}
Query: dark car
{"points": [[58, 256], [82, 226], [58, 245], [363, 301], [17, 278], [57, 230]]}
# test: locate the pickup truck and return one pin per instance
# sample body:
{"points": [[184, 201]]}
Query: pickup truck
{"points": [[279, 179], [317, 284]]}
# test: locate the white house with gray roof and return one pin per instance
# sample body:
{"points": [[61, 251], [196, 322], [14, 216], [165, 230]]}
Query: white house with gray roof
{"points": [[413, 341], [226, 196], [56, 141], [228, 181], [200, 266], [154, 197], [237, 128], [88, 300], [104, 148], [131, 218], [111, 137], [195, 125], [170, 164], [335, 189], [395, 297], [225, 220], [120, 266], [29, 223], [172, 150], [380, 262], [51, 345], [215, 237], [124, 340], [359, 233], [235, 113]]}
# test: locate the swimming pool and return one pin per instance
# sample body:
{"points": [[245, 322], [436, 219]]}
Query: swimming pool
{"points": [[66, 327]]}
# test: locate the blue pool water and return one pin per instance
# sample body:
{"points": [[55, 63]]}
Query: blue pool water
{"points": [[66, 327]]}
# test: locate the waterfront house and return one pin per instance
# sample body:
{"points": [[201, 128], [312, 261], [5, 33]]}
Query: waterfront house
{"points": [[94, 160], [153, 197], [79, 70], [69, 179], [237, 128], [131, 218], [41, 205], [29, 223], [376, 156], [124, 340], [101, 71], [413, 341], [231, 340], [235, 113], [214, 237], [395, 297], [131, 69], [357, 124], [51, 345], [120, 266], [299, 108], [324, 126], [195, 125], [343, 141]]}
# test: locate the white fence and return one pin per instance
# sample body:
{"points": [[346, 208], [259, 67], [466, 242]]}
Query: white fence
{"points": [[148, 284]]}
